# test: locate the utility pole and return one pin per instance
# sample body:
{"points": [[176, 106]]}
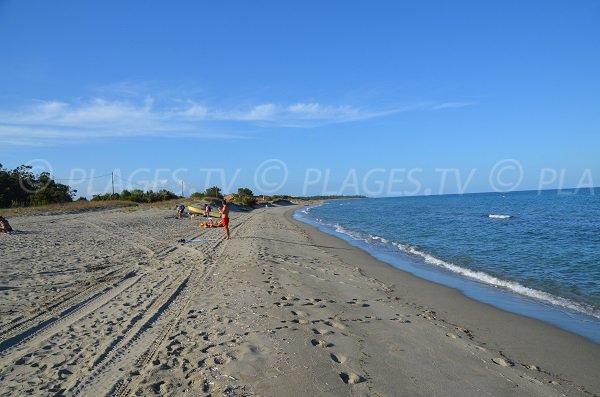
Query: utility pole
{"points": [[112, 177], [181, 188]]}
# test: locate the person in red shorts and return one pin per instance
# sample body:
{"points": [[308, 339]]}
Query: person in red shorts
{"points": [[224, 210]]}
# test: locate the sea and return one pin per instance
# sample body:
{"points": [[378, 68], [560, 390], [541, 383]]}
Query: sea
{"points": [[535, 253]]}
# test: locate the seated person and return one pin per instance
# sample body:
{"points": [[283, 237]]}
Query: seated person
{"points": [[180, 208], [4, 225], [210, 223]]}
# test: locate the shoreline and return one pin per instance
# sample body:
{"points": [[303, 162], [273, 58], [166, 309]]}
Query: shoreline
{"points": [[515, 335], [110, 302], [510, 296]]}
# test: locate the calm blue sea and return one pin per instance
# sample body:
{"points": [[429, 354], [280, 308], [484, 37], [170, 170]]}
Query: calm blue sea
{"points": [[533, 253]]}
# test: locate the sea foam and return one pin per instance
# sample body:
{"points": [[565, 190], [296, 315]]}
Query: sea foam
{"points": [[480, 276], [495, 281], [496, 216]]}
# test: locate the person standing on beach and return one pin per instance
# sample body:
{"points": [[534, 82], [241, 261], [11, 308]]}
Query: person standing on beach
{"points": [[224, 210]]}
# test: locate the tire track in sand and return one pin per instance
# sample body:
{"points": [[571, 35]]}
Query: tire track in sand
{"points": [[137, 348], [128, 384]]}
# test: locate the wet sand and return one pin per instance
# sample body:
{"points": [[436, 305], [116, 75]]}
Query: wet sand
{"points": [[108, 303]]}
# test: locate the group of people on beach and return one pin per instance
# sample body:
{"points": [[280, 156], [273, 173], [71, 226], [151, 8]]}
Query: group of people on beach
{"points": [[210, 223], [223, 222]]}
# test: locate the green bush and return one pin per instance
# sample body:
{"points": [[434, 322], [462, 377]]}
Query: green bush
{"points": [[20, 187], [214, 191], [244, 191], [137, 195], [248, 200]]}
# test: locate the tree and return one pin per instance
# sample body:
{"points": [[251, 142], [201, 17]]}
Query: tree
{"points": [[138, 196], [214, 191], [126, 195], [244, 191], [164, 195], [197, 195], [21, 187]]}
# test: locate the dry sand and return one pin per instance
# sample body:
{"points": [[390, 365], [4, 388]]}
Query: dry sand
{"points": [[108, 303]]}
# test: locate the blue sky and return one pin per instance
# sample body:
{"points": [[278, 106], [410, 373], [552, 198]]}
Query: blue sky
{"points": [[311, 97]]}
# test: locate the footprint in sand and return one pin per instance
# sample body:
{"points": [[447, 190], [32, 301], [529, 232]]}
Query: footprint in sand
{"points": [[301, 321], [502, 362], [338, 358], [218, 360], [483, 349], [335, 324], [351, 378], [321, 343], [322, 331], [283, 304]]}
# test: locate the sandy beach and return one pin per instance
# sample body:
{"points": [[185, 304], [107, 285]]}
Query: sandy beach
{"points": [[109, 303]]}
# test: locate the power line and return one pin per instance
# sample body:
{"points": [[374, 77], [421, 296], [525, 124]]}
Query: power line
{"points": [[82, 179], [149, 184], [173, 186]]}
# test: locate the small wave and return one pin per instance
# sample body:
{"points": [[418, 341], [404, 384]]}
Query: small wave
{"points": [[479, 276], [343, 230], [383, 240], [495, 216], [306, 210], [497, 282]]}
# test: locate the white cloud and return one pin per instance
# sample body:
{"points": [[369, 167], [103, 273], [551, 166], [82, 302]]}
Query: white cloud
{"points": [[264, 112], [195, 111], [47, 122], [451, 105], [304, 107]]}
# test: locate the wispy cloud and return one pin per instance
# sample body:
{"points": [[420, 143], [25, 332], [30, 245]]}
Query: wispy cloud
{"points": [[452, 105], [47, 122], [50, 122]]}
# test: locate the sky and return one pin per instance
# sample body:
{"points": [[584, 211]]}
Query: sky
{"points": [[385, 98]]}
